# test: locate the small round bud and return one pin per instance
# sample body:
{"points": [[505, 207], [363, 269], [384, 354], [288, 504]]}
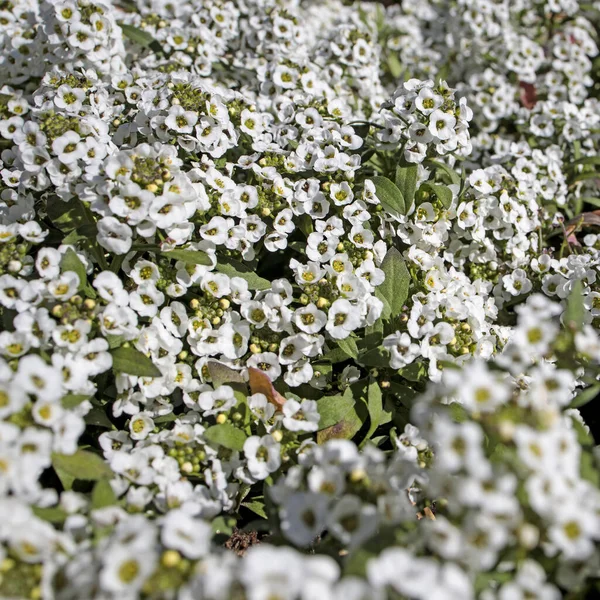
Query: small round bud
{"points": [[221, 418], [529, 536], [506, 429], [170, 558], [14, 266], [277, 435], [322, 302], [224, 303], [89, 304], [357, 475], [187, 467], [152, 187]]}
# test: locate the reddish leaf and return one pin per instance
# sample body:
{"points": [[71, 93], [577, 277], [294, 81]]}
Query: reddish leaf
{"points": [[528, 94], [261, 384]]}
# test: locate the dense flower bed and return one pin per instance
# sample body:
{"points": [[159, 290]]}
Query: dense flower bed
{"points": [[314, 281]]}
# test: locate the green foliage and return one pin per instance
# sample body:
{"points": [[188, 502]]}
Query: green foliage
{"points": [[226, 435], [127, 359], [82, 465], [393, 292], [234, 268], [332, 409], [406, 182], [390, 196], [192, 257]]}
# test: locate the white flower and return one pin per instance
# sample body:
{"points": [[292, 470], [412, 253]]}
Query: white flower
{"points": [[140, 426], [303, 517], [342, 319], [114, 236], [216, 401], [300, 416], [351, 522], [189, 536], [125, 571], [263, 455], [310, 319]]}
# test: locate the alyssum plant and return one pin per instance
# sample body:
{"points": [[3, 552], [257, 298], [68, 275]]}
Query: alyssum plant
{"points": [[317, 276]]}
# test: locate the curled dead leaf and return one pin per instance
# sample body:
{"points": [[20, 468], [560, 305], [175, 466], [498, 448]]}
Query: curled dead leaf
{"points": [[261, 384]]}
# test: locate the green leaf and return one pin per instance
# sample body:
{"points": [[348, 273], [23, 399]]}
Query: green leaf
{"points": [[66, 216], [53, 514], [70, 262], [223, 525], [138, 36], [394, 290], [390, 196], [575, 311], [403, 394], [257, 507], [377, 357], [168, 418], [585, 396], [66, 479], [406, 182], [222, 374], [334, 356], [133, 362], [373, 336], [346, 428], [416, 371], [114, 341], [306, 224], [226, 435], [8, 317], [72, 400], [586, 175], [394, 65], [458, 413], [84, 232], [443, 193], [103, 495], [332, 409], [236, 269], [191, 257], [375, 408], [82, 465], [590, 200], [349, 347], [452, 175], [97, 416], [587, 160], [589, 469]]}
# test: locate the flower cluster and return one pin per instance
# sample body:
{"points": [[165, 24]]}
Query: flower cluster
{"points": [[315, 282]]}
